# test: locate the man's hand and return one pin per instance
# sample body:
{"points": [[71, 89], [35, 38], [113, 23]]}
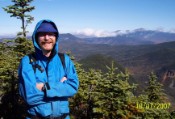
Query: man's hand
{"points": [[39, 85], [63, 79]]}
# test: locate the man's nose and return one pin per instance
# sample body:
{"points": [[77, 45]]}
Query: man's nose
{"points": [[46, 36]]}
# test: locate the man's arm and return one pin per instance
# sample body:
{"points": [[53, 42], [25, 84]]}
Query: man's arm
{"points": [[40, 86], [68, 86], [28, 88]]}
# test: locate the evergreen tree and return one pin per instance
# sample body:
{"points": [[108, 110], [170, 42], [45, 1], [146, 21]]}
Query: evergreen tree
{"points": [[83, 102], [19, 10], [115, 95], [11, 105], [77, 103], [154, 91], [23, 47], [8, 77], [154, 95]]}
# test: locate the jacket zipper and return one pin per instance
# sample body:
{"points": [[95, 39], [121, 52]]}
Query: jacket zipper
{"points": [[48, 81]]}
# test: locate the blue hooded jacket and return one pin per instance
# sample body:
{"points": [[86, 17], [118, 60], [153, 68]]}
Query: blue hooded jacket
{"points": [[54, 101]]}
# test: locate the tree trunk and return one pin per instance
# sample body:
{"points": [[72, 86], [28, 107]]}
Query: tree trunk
{"points": [[23, 28], [23, 25]]}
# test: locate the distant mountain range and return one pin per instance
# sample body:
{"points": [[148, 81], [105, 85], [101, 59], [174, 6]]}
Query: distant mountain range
{"points": [[135, 37]]}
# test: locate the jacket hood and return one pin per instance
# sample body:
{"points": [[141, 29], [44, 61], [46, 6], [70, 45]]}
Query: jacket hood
{"points": [[34, 38]]}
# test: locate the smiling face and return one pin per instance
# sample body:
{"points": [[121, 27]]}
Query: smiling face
{"points": [[46, 41]]}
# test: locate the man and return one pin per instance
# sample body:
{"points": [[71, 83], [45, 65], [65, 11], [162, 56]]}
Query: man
{"points": [[44, 83]]}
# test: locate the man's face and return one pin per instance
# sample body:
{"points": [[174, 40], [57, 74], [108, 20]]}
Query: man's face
{"points": [[46, 41]]}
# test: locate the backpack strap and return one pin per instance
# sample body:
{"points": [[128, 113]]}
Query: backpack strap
{"points": [[61, 55], [32, 59]]}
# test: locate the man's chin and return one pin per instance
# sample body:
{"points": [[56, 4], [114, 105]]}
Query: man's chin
{"points": [[47, 48]]}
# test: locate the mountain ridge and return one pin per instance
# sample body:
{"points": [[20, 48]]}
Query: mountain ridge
{"points": [[135, 37]]}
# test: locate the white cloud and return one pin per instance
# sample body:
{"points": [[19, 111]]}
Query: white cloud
{"points": [[172, 30], [162, 29], [95, 33]]}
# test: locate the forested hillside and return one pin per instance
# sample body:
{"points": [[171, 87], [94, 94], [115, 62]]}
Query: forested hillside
{"points": [[106, 94], [139, 60]]}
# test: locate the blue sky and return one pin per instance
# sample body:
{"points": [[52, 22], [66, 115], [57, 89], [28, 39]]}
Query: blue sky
{"points": [[96, 17]]}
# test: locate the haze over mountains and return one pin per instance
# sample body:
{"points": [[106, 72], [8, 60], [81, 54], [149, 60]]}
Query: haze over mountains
{"points": [[135, 37]]}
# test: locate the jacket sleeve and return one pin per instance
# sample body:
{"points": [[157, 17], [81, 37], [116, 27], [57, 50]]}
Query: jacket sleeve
{"points": [[27, 84], [67, 88]]}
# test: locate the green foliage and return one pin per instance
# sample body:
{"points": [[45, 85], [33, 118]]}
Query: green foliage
{"points": [[11, 105], [103, 95], [8, 66], [83, 102], [153, 95], [115, 94], [18, 10], [109, 96], [8, 78], [99, 62], [23, 46], [154, 90]]}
